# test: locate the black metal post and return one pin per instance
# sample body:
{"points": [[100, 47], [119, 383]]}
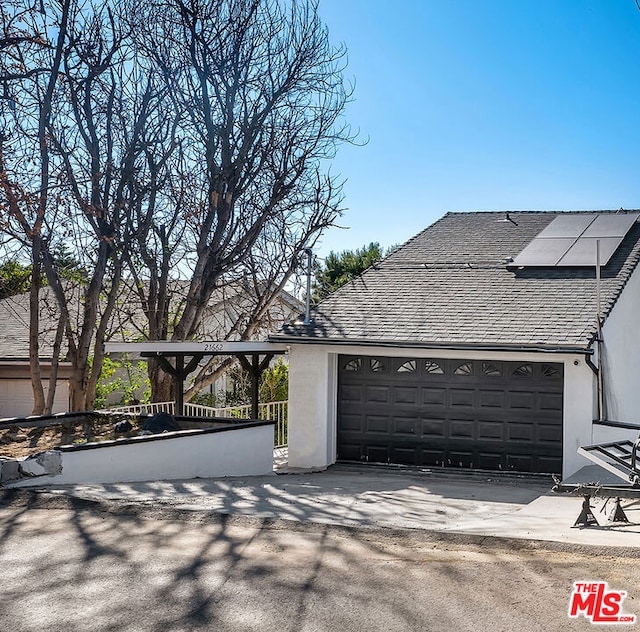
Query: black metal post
{"points": [[179, 385], [255, 385]]}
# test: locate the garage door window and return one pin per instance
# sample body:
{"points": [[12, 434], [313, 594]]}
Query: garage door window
{"points": [[524, 370], [353, 365], [490, 369], [551, 372], [410, 366], [465, 368], [432, 367]]}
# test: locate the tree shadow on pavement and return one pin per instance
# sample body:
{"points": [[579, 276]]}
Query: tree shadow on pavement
{"points": [[77, 566]]}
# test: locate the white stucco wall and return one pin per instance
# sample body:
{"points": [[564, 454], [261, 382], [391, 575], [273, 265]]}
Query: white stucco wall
{"points": [[313, 397], [621, 363], [312, 406], [237, 452], [16, 398]]}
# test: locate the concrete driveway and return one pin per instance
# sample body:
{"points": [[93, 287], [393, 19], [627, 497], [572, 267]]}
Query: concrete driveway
{"points": [[453, 503]]}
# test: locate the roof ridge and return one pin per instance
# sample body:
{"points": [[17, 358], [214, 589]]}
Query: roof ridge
{"points": [[539, 212]]}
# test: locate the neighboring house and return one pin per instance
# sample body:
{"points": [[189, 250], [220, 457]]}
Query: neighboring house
{"points": [[234, 302], [461, 350], [224, 319], [227, 305], [16, 394], [231, 304]]}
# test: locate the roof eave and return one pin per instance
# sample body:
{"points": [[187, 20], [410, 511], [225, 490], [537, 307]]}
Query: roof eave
{"points": [[453, 346]]}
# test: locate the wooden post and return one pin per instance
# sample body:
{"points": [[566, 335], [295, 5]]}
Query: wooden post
{"points": [[255, 368], [179, 373]]}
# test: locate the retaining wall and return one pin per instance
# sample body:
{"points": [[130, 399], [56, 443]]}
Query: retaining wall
{"points": [[244, 449]]}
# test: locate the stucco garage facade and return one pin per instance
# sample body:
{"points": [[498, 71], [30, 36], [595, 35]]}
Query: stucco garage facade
{"points": [[16, 392], [445, 355], [316, 423]]}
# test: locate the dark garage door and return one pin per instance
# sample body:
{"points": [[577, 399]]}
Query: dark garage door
{"points": [[453, 413]]}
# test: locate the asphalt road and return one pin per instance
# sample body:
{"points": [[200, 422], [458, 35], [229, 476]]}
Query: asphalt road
{"points": [[77, 566]]}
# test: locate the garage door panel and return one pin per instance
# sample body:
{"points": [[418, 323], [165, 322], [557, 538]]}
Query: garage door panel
{"points": [[434, 396], [378, 394], [351, 450], [550, 401], [520, 432], [405, 456], [351, 422], [491, 399], [548, 464], [549, 434], [520, 462], [378, 453], [521, 400], [460, 459], [490, 461], [491, 430], [406, 395], [462, 397], [351, 393], [405, 426], [463, 429], [431, 457], [489, 415], [377, 424], [434, 428]]}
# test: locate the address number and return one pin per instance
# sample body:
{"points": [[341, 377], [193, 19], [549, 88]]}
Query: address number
{"points": [[213, 346]]}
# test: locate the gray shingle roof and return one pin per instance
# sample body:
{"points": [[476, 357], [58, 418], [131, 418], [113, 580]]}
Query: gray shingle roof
{"points": [[450, 285], [128, 320], [14, 325]]}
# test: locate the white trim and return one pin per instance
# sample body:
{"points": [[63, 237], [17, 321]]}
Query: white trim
{"points": [[332, 409], [206, 347]]}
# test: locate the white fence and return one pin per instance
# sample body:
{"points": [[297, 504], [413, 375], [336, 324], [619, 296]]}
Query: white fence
{"points": [[274, 411]]}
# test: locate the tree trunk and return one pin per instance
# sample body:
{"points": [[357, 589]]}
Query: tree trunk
{"points": [[77, 389], [34, 332], [55, 363], [161, 383]]}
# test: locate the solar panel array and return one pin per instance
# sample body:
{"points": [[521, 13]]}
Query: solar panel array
{"points": [[570, 240]]}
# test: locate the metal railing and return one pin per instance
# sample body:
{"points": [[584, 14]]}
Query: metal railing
{"points": [[274, 411]]}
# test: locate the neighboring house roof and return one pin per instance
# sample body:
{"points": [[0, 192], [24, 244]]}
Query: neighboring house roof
{"points": [[14, 325], [450, 286], [128, 320], [237, 300]]}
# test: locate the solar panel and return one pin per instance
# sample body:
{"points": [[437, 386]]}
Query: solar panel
{"points": [[541, 250], [583, 252], [610, 225], [567, 226], [570, 240]]}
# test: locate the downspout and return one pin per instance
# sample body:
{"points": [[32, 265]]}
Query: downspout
{"points": [[599, 338], [590, 364]]}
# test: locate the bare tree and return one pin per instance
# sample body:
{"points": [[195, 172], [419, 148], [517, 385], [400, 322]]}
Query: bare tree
{"points": [[77, 102], [160, 141], [29, 58], [260, 95]]}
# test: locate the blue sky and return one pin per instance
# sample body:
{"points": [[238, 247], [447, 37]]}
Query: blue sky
{"points": [[492, 105]]}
